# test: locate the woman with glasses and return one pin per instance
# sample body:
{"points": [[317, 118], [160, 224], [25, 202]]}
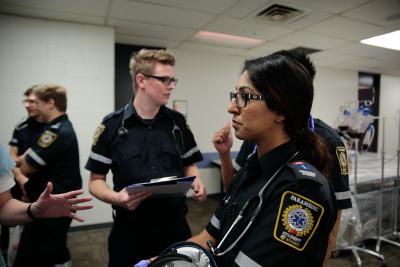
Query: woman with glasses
{"points": [[279, 209]]}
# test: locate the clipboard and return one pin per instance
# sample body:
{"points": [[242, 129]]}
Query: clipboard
{"points": [[165, 186]]}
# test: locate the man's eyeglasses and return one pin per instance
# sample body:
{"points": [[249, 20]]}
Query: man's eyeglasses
{"points": [[164, 79], [241, 99]]}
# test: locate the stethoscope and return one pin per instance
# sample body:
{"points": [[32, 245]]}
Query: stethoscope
{"points": [[216, 251], [177, 134]]}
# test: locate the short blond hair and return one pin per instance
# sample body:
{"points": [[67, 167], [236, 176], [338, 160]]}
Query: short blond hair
{"points": [[47, 91], [144, 62]]}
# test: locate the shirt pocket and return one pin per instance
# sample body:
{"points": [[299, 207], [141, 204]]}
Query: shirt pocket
{"points": [[127, 166], [171, 160]]}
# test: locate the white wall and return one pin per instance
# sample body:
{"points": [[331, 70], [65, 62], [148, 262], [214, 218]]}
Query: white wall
{"points": [[80, 57], [390, 109], [333, 88]]}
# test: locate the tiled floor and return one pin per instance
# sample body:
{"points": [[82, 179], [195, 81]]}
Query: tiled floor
{"points": [[89, 247]]}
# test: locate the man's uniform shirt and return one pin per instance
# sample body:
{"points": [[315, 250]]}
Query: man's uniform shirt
{"points": [[55, 155]]}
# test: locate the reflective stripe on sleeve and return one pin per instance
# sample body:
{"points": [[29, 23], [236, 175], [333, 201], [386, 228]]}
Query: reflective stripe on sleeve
{"points": [[215, 222], [190, 152], [14, 141], [343, 195], [100, 158], [243, 260], [36, 158], [236, 166]]}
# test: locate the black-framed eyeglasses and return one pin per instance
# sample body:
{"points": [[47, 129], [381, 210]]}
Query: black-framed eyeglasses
{"points": [[241, 99], [164, 79]]}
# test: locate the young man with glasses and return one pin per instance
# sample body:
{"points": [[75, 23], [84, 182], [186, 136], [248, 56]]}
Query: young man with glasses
{"points": [[142, 141]]}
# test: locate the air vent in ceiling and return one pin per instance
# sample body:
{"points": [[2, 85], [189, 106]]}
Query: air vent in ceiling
{"points": [[279, 14]]}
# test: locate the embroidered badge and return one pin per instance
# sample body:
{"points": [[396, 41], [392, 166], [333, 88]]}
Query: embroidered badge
{"points": [[343, 159], [298, 218], [46, 138], [97, 133], [302, 168]]}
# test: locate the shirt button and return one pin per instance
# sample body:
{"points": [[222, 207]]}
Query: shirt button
{"points": [[153, 167]]}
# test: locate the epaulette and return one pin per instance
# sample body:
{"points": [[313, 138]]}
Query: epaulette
{"points": [[305, 171], [22, 124], [56, 126], [113, 114], [175, 113]]}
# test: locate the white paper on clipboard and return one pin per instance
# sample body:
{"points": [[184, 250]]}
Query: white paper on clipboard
{"points": [[164, 186]]}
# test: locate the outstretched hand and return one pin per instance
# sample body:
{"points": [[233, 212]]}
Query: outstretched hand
{"points": [[59, 205]]}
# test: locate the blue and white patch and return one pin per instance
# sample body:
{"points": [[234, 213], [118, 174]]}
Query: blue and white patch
{"points": [[303, 168], [297, 220]]}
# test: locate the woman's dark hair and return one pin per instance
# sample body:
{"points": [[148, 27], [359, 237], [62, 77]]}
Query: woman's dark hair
{"points": [[285, 79]]}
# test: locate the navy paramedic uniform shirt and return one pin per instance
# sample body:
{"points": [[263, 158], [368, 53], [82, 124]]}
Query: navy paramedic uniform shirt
{"points": [[147, 150], [24, 136], [55, 155], [297, 215], [340, 164]]}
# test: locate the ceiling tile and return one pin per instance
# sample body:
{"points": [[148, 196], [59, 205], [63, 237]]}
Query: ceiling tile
{"points": [[312, 40], [243, 8], [376, 12], [89, 7], [310, 18], [246, 28], [265, 50], [145, 29], [359, 49], [209, 48], [332, 57], [336, 6], [143, 40], [157, 14], [347, 29], [210, 6], [53, 14]]}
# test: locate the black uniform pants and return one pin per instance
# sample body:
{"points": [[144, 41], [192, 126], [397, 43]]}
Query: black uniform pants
{"points": [[132, 240], [43, 243]]}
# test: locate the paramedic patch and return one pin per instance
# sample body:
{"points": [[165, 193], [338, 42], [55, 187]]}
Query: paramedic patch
{"points": [[97, 133], [297, 220], [46, 138], [343, 160]]}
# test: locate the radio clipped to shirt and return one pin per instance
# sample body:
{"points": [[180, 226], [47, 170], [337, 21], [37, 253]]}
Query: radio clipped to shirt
{"points": [[164, 187]]}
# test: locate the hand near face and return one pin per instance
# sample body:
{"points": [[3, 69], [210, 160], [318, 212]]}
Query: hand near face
{"points": [[222, 139]]}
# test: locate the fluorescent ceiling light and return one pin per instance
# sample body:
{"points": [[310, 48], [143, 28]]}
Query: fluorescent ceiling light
{"points": [[228, 39], [389, 40]]}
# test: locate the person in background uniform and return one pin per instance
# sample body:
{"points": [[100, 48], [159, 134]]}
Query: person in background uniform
{"points": [[286, 205], [13, 211], [53, 158], [142, 141], [339, 171], [24, 135]]}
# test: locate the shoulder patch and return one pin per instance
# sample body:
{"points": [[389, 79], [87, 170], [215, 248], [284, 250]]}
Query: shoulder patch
{"points": [[343, 159], [303, 169], [298, 218], [112, 114], [97, 133], [46, 138]]}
